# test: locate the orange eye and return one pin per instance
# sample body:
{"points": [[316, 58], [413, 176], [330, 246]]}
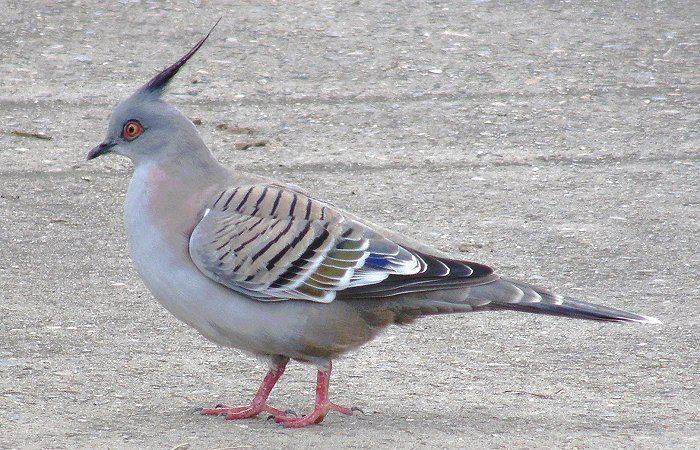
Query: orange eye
{"points": [[132, 130]]}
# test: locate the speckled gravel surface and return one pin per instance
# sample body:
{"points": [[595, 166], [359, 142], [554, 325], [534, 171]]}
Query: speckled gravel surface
{"points": [[555, 141]]}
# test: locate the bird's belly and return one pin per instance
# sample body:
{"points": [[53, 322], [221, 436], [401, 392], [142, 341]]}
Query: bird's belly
{"points": [[162, 261], [298, 329], [302, 330], [217, 313]]}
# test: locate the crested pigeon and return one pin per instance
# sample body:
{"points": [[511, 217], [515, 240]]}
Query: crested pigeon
{"points": [[264, 267]]}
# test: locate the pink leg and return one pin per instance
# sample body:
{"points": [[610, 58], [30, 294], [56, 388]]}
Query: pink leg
{"points": [[322, 407], [258, 404]]}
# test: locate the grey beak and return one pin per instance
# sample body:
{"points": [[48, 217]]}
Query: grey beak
{"points": [[100, 150]]}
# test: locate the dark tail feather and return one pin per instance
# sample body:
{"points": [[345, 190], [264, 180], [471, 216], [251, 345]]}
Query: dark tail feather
{"points": [[507, 294]]}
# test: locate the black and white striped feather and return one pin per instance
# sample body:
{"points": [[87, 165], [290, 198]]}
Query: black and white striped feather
{"points": [[273, 243]]}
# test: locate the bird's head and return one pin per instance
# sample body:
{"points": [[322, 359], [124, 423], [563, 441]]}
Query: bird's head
{"points": [[145, 127]]}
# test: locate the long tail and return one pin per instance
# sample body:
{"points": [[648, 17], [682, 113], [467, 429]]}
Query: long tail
{"points": [[505, 294]]}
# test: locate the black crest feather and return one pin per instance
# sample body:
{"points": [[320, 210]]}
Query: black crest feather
{"points": [[160, 81]]}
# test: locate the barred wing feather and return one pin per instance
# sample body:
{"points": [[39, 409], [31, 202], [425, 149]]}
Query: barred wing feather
{"points": [[273, 243]]}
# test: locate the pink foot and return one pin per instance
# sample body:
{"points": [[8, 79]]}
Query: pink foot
{"points": [[259, 403], [322, 407], [242, 412], [316, 416]]}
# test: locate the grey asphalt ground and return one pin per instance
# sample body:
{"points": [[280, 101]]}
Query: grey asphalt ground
{"points": [[555, 141]]}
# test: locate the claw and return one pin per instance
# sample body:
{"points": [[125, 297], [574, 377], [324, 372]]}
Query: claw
{"points": [[316, 416], [355, 408], [285, 413], [259, 403], [322, 407]]}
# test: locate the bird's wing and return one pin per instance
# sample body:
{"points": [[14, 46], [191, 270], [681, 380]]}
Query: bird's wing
{"points": [[273, 243]]}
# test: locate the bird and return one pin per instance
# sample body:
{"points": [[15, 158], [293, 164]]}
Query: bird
{"points": [[265, 267]]}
